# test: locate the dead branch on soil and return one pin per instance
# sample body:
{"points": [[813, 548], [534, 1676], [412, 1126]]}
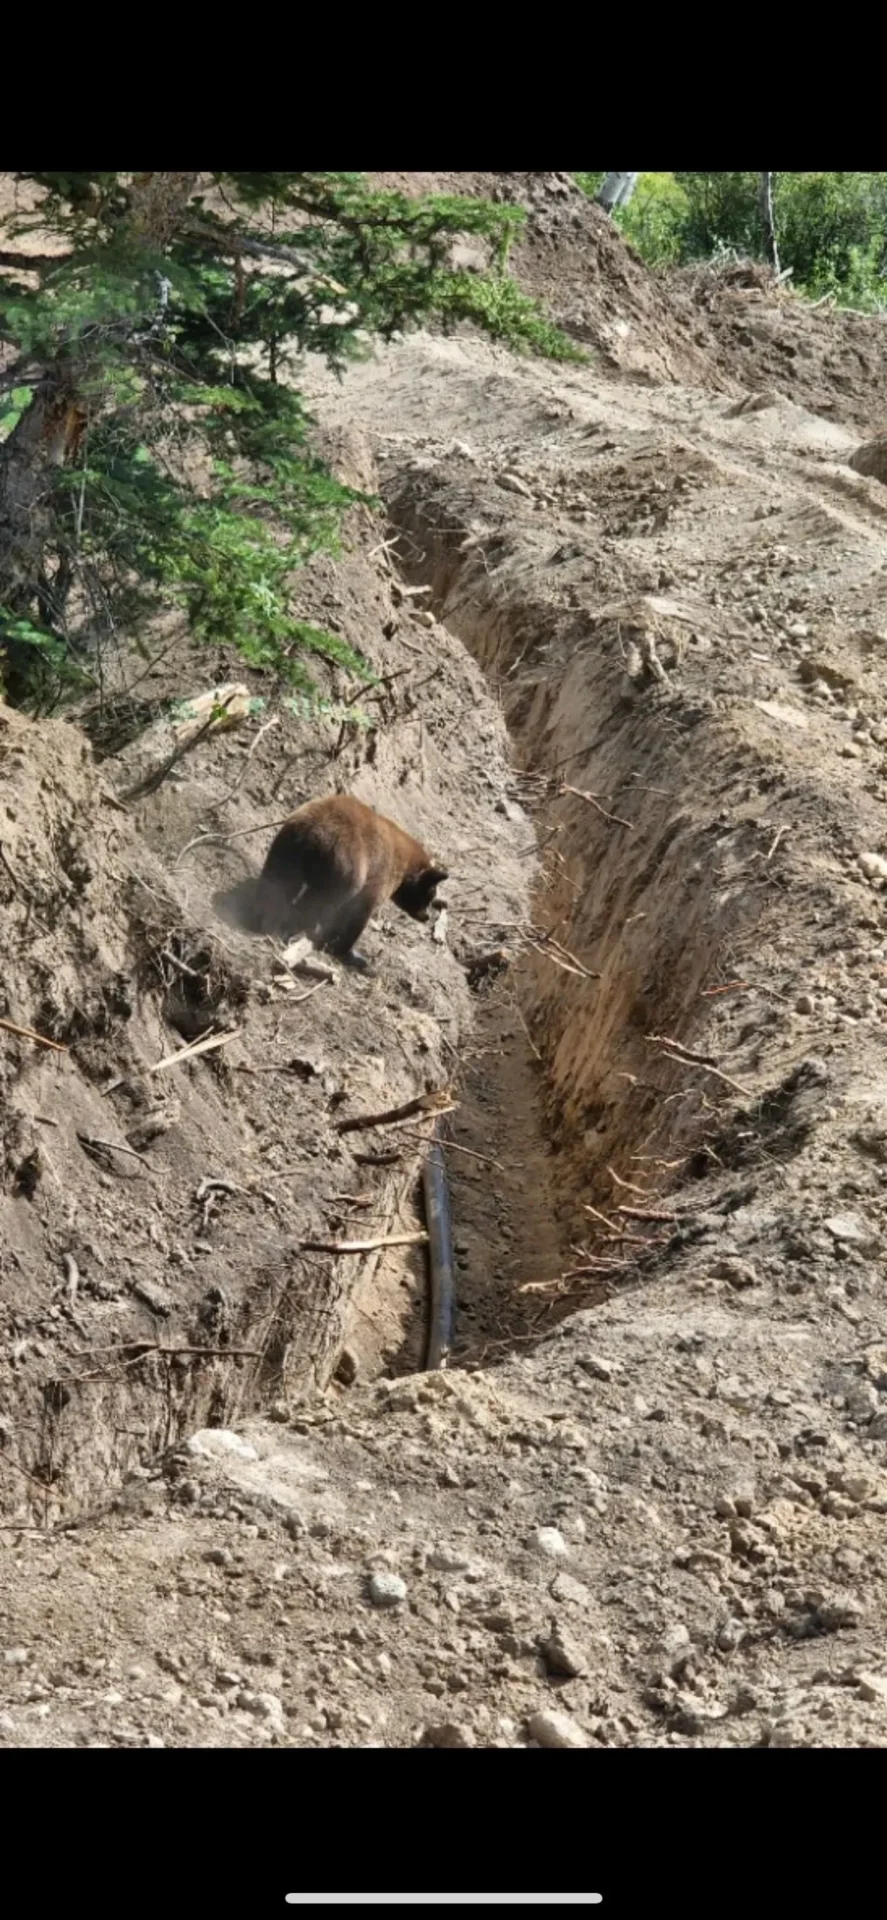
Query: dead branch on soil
{"points": [[591, 798], [391, 1159], [221, 839], [207, 1045], [628, 1185], [151, 781], [27, 1033], [551, 949], [143, 1347], [424, 1139], [423, 1103], [236, 784], [95, 1146], [363, 1246], [139, 1350], [685, 1056], [647, 1213]]}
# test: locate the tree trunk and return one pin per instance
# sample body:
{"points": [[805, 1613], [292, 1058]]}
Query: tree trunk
{"points": [[768, 218], [616, 190]]}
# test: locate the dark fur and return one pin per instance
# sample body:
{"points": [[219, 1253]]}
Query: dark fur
{"points": [[332, 864]]}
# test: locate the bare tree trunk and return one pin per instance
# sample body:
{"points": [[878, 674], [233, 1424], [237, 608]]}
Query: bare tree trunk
{"points": [[616, 190], [768, 218]]}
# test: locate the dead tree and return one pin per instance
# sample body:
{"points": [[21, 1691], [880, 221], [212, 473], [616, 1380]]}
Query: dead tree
{"points": [[616, 190]]}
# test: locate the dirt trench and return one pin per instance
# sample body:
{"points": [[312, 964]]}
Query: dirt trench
{"points": [[601, 1074]]}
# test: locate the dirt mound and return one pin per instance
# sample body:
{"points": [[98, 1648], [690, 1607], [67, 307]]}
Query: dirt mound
{"points": [[574, 260], [726, 328], [829, 360], [659, 1524], [153, 1222]]}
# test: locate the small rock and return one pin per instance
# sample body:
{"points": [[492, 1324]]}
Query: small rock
{"points": [[348, 1368], [873, 1686], [566, 1589], [16, 1657], [214, 1443], [550, 1541], [265, 1706], [873, 865], [219, 1556], [842, 1610], [448, 1733], [513, 483], [850, 1229], [154, 1740], [805, 1003], [386, 1589], [676, 1642], [862, 1402], [738, 1273], [7, 1724], [561, 1653], [444, 1560], [555, 1730], [599, 1368]]}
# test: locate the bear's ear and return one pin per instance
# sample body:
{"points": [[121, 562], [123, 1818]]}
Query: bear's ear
{"points": [[433, 876]]}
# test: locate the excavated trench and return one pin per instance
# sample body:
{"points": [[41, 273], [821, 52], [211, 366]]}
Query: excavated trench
{"points": [[601, 1079]]}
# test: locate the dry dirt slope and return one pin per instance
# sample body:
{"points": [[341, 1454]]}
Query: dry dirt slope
{"points": [[665, 1524]]}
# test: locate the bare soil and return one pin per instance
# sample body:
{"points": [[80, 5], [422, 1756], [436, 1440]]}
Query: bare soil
{"points": [[634, 619]]}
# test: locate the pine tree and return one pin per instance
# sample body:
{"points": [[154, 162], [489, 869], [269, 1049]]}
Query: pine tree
{"points": [[154, 450]]}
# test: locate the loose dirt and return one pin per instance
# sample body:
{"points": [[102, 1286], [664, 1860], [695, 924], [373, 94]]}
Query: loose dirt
{"points": [[632, 617]]}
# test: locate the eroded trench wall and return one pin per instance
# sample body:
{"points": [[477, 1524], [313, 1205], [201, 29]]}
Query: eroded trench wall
{"points": [[668, 908]]}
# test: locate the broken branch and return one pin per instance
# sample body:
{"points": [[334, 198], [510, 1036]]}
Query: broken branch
{"points": [[578, 794], [191, 1052], [28, 1033], [363, 1246], [423, 1103]]}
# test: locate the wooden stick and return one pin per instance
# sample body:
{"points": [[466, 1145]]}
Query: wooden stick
{"points": [[646, 1213], [423, 1103], [190, 1053], [152, 1346], [776, 841], [151, 781], [556, 961], [579, 795], [457, 1147], [28, 1033], [363, 1246], [665, 1040], [629, 1185], [221, 839], [685, 1060], [112, 1146]]}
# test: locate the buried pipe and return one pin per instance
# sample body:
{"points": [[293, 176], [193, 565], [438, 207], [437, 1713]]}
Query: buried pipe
{"points": [[441, 1262]]}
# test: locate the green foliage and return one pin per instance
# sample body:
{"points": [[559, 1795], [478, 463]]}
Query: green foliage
{"points": [[831, 227], [13, 408], [178, 470], [833, 233], [655, 219]]}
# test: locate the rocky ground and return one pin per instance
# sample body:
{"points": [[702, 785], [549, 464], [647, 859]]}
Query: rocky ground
{"points": [[634, 616]]}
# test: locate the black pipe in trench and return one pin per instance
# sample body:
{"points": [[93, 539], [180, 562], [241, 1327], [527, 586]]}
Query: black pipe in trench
{"points": [[441, 1261]]}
